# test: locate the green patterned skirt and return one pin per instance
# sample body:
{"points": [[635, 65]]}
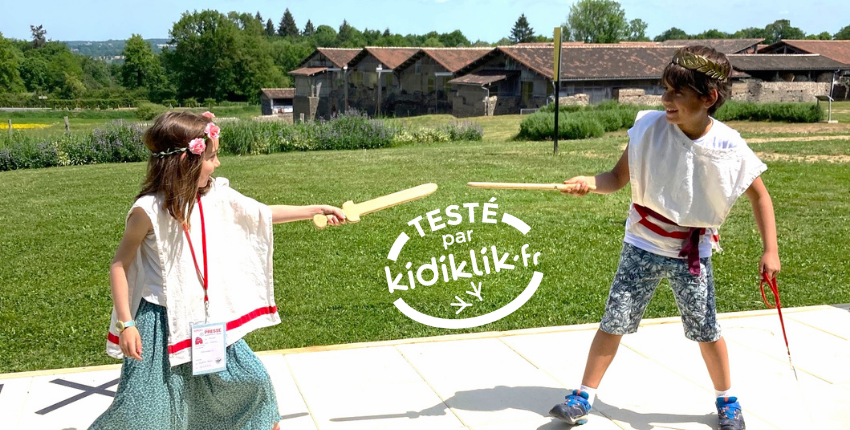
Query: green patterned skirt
{"points": [[153, 395]]}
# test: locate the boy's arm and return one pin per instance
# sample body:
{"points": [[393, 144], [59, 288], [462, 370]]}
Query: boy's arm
{"points": [[605, 183], [138, 226], [763, 213], [285, 213]]}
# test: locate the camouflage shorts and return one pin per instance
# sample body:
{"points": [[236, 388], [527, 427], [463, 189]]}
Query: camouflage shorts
{"points": [[639, 274]]}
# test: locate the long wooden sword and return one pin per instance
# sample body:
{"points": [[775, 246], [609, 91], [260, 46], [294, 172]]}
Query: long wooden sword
{"points": [[353, 211], [519, 186]]}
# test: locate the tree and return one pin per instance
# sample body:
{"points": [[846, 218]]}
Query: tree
{"points": [[824, 35], [38, 33], [325, 36], [637, 31], [455, 39], [345, 32], [712, 34], [269, 28], [287, 25], [309, 30], [749, 33], [597, 21], [258, 17], [782, 29], [521, 32], [10, 60], [843, 34], [141, 68], [672, 34]]}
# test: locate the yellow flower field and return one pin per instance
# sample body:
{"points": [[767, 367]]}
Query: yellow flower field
{"points": [[26, 126]]}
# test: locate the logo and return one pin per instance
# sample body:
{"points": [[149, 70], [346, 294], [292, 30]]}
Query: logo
{"points": [[467, 263], [199, 341]]}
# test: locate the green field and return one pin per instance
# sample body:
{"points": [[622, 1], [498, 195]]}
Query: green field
{"points": [[59, 228]]}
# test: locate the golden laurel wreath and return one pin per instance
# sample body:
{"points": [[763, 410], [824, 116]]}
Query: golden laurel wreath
{"points": [[692, 61]]}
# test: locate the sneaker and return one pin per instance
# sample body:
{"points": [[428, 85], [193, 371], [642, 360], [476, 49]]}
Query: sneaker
{"points": [[729, 414], [574, 410]]}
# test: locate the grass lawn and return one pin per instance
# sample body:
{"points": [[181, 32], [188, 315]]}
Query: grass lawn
{"points": [[60, 227]]}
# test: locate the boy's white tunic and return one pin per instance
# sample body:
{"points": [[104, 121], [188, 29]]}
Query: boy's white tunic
{"points": [[692, 183], [239, 254]]}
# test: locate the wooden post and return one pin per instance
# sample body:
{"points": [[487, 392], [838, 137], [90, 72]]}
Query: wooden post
{"points": [[10, 128], [67, 126], [557, 76]]}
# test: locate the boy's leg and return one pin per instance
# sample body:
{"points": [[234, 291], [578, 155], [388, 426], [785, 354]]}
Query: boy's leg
{"points": [[696, 301], [638, 274]]}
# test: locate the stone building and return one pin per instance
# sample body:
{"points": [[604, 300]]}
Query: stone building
{"points": [[837, 50], [321, 83], [783, 77], [277, 101], [374, 78]]}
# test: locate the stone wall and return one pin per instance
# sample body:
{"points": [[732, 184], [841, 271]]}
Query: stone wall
{"points": [[282, 117], [469, 101], [306, 106], [574, 100], [635, 96], [775, 92]]}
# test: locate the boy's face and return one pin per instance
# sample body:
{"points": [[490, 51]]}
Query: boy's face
{"points": [[684, 106]]}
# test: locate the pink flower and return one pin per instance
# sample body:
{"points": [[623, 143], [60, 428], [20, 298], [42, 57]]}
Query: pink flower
{"points": [[208, 114], [212, 130], [197, 146]]}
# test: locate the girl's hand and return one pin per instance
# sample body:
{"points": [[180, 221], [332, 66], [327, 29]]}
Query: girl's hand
{"points": [[131, 343], [334, 214], [580, 187], [769, 264]]}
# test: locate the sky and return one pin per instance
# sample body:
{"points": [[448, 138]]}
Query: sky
{"points": [[478, 19]]}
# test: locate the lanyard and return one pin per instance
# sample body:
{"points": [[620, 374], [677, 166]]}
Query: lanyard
{"points": [[204, 277]]}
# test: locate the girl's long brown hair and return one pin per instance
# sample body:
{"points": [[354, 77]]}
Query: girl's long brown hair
{"points": [[175, 176]]}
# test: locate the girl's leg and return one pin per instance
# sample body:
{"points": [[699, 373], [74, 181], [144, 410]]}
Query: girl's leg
{"points": [[717, 362]]}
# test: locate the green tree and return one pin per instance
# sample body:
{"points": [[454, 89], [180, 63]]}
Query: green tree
{"points": [[96, 74], [782, 29], [597, 21], [45, 68], [455, 39], [141, 67], [10, 60], [521, 31], [637, 31], [824, 35], [712, 34], [325, 36], [749, 33], [269, 28], [258, 17], [672, 34], [309, 30], [843, 34], [38, 33], [287, 27]]}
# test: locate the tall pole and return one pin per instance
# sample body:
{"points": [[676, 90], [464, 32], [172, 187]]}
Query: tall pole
{"points": [[557, 76]]}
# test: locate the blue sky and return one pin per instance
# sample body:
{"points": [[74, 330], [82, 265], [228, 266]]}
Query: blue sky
{"points": [[478, 19]]}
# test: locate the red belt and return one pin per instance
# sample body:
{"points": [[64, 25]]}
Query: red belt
{"points": [[690, 238]]}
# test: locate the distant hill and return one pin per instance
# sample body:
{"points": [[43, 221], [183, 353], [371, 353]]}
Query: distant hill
{"points": [[109, 48]]}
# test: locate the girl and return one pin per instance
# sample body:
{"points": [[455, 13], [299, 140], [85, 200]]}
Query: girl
{"points": [[193, 270], [687, 170]]}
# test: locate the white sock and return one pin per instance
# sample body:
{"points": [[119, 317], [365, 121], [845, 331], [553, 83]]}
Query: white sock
{"points": [[591, 393], [726, 393]]}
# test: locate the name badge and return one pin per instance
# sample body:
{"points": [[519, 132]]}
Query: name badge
{"points": [[208, 348]]}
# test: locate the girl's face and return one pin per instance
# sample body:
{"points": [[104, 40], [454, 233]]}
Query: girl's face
{"points": [[209, 163]]}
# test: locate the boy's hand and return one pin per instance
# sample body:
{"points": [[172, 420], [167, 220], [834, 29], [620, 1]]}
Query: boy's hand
{"points": [[769, 264], [580, 187], [131, 343], [334, 214]]}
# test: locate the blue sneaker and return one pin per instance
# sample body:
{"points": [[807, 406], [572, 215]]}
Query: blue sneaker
{"points": [[729, 414], [574, 410]]}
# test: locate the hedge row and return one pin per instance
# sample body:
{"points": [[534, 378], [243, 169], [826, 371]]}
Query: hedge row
{"points": [[122, 141]]}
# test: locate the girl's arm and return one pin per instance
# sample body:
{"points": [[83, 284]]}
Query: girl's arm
{"points": [[763, 213], [605, 183], [138, 226], [285, 213]]}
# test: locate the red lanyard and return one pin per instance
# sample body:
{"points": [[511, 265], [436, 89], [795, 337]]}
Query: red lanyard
{"points": [[204, 277]]}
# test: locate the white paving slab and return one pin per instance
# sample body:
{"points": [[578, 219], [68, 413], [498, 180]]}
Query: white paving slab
{"points": [[45, 394], [293, 411], [835, 321], [13, 395]]}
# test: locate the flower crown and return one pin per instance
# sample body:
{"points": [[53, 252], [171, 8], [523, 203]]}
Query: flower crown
{"points": [[199, 145], [701, 64]]}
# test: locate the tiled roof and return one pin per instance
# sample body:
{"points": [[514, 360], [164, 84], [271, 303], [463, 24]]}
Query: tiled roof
{"points": [[308, 71], [838, 50], [454, 59], [483, 77], [583, 63], [278, 93], [339, 56], [790, 62], [726, 46], [391, 58]]}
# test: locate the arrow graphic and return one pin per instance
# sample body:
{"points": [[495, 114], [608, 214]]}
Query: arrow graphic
{"points": [[462, 304], [477, 291]]}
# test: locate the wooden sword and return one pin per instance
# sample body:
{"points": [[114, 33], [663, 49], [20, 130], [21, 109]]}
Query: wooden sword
{"points": [[353, 211]]}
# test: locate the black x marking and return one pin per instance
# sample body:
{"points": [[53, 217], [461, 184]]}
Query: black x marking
{"points": [[86, 391]]}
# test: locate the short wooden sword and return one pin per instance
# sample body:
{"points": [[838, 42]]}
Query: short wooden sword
{"points": [[519, 186], [353, 211]]}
